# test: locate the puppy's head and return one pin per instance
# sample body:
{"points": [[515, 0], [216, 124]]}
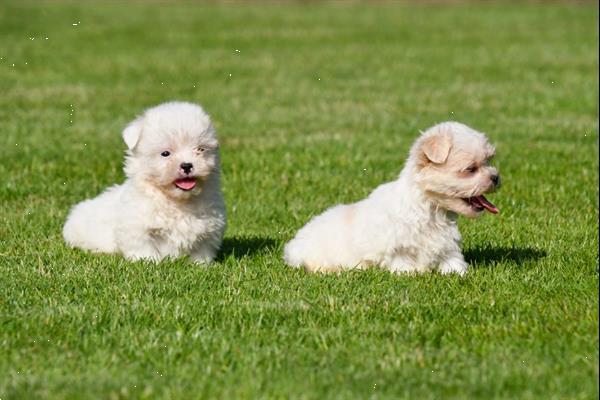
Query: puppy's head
{"points": [[452, 166], [174, 147]]}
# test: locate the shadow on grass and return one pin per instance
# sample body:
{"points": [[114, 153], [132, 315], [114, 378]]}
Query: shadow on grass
{"points": [[488, 255], [241, 246]]}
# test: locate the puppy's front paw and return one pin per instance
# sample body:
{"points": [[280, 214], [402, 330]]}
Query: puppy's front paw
{"points": [[203, 254], [202, 260], [142, 257], [454, 266]]}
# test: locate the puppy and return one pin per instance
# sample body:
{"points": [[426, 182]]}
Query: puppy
{"points": [[171, 203], [408, 225]]}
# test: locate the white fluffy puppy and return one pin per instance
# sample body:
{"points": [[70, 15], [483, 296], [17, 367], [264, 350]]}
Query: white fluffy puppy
{"points": [[408, 225], [171, 203]]}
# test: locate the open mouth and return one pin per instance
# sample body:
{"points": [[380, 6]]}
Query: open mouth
{"points": [[185, 183], [479, 203]]}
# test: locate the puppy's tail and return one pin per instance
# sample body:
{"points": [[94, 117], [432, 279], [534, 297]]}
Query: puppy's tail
{"points": [[73, 229], [292, 254]]}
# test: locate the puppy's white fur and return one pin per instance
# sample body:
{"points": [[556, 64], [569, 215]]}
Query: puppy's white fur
{"points": [[149, 216], [408, 225]]}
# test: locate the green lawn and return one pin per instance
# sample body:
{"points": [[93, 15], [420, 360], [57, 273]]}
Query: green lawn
{"points": [[314, 104]]}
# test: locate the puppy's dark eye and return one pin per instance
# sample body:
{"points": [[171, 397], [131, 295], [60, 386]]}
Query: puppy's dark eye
{"points": [[165, 153], [201, 149], [471, 169]]}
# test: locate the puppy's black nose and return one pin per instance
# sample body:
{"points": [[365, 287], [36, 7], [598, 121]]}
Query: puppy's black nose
{"points": [[187, 167], [495, 179]]}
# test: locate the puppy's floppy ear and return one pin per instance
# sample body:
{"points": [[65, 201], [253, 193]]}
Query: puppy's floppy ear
{"points": [[132, 132], [437, 147]]}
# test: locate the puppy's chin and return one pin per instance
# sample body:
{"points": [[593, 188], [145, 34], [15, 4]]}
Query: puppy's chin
{"points": [[457, 195]]}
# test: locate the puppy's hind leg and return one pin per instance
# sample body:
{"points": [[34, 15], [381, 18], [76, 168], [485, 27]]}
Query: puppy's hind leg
{"points": [[298, 254], [89, 226]]}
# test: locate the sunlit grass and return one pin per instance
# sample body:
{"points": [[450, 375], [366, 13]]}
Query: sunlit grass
{"points": [[314, 105]]}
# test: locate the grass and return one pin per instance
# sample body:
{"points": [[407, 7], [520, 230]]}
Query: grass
{"points": [[315, 104]]}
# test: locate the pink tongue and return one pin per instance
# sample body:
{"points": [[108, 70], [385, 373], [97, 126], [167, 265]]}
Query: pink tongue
{"points": [[185, 183], [486, 204]]}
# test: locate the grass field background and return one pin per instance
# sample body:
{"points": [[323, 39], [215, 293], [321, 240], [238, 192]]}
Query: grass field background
{"points": [[314, 104]]}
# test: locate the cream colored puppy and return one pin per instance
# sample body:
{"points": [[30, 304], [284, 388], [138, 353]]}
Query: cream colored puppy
{"points": [[171, 203], [408, 225]]}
